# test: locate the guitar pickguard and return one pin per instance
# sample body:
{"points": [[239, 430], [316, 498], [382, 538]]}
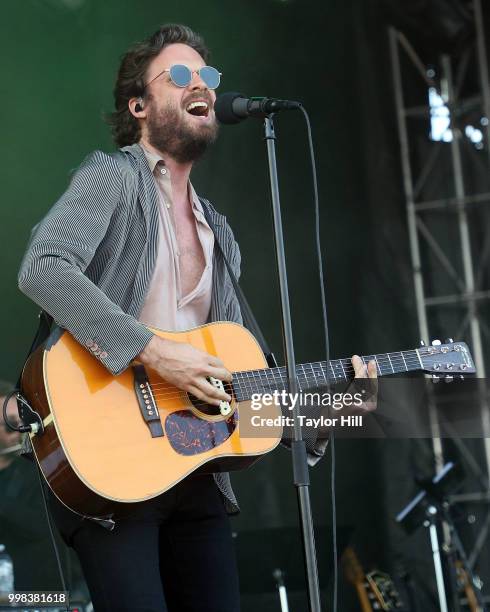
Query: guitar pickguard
{"points": [[190, 435]]}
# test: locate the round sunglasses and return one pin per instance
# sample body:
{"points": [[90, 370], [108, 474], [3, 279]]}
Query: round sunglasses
{"points": [[181, 75]]}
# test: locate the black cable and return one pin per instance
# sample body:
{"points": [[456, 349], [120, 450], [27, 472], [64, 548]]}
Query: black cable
{"points": [[51, 531], [35, 425], [24, 429], [327, 351]]}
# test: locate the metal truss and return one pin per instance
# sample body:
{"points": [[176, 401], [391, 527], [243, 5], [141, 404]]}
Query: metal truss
{"points": [[447, 192]]}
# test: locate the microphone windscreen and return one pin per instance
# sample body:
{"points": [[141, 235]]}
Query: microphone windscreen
{"points": [[223, 107]]}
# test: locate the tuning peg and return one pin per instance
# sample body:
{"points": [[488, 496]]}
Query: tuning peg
{"points": [[422, 343], [448, 379], [448, 341], [435, 378], [436, 343]]}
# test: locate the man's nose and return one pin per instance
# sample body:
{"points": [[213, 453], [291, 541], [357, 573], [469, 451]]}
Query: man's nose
{"points": [[197, 82]]}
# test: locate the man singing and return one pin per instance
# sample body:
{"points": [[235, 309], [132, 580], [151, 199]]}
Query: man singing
{"points": [[128, 246]]}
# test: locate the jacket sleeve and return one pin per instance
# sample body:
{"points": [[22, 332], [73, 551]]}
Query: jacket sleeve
{"points": [[61, 247]]}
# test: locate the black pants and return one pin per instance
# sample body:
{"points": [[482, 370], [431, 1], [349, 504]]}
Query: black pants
{"points": [[173, 553]]}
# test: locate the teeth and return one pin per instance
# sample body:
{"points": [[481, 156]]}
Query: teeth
{"points": [[196, 105]]}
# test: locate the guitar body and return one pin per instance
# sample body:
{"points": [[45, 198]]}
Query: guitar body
{"points": [[97, 452], [110, 441]]}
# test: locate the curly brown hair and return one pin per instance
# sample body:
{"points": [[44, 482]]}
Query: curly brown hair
{"points": [[130, 82]]}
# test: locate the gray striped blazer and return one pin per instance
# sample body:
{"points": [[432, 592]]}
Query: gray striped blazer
{"points": [[89, 262]]}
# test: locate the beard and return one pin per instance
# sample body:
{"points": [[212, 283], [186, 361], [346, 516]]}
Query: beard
{"points": [[169, 133]]}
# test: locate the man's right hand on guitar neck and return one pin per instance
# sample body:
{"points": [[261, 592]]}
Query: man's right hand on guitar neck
{"points": [[187, 368]]}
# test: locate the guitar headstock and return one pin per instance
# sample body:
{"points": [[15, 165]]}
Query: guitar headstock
{"points": [[384, 591], [378, 591], [446, 360]]}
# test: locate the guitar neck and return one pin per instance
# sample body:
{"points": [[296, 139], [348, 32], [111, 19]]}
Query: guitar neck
{"points": [[320, 373]]}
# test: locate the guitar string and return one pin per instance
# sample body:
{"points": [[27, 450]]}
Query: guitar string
{"points": [[245, 378], [249, 386], [248, 379], [344, 364], [380, 361], [247, 389]]}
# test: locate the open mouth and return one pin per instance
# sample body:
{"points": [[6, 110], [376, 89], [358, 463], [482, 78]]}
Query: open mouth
{"points": [[198, 108]]}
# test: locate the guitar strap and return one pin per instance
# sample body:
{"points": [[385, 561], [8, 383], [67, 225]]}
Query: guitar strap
{"points": [[249, 320], [43, 331]]}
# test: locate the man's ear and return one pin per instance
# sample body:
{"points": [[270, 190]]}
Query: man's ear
{"points": [[136, 107]]}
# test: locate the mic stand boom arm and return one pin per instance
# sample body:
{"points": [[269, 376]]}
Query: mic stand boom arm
{"points": [[298, 448]]}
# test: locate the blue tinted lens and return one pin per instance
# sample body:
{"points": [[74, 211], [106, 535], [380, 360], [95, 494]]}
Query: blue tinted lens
{"points": [[180, 75], [210, 76]]}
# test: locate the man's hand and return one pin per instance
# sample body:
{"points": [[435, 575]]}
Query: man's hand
{"points": [[186, 367], [368, 387]]}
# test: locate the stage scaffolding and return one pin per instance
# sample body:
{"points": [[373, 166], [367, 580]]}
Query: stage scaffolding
{"points": [[447, 191]]}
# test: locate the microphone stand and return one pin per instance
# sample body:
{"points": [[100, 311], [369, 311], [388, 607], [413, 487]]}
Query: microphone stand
{"points": [[298, 448]]}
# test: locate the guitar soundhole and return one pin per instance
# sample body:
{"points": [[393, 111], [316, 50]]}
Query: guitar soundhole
{"points": [[190, 435], [209, 409]]}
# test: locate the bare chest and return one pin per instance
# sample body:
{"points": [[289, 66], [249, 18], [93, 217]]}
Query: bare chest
{"points": [[190, 252]]}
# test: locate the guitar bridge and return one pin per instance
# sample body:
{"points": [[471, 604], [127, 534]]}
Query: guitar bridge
{"points": [[146, 401]]}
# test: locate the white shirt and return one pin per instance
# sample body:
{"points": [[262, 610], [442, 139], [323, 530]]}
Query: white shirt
{"points": [[165, 307]]}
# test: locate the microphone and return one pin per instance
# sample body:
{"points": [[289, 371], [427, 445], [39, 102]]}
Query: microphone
{"points": [[233, 107]]}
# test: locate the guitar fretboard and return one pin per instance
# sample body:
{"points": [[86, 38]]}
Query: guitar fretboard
{"points": [[318, 374]]}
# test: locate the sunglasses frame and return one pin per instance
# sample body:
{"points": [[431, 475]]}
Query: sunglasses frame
{"points": [[198, 71]]}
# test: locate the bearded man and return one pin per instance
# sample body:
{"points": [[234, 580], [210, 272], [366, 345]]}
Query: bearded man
{"points": [[128, 247]]}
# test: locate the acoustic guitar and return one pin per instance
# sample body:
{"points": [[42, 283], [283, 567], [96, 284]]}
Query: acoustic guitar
{"points": [[109, 440]]}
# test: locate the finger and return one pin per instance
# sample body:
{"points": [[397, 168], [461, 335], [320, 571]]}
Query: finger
{"points": [[370, 406], [215, 361], [214, 394], [219, 373], [196, 392], [372, 370], [202, 396], [223, 374], [359, 367]]}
